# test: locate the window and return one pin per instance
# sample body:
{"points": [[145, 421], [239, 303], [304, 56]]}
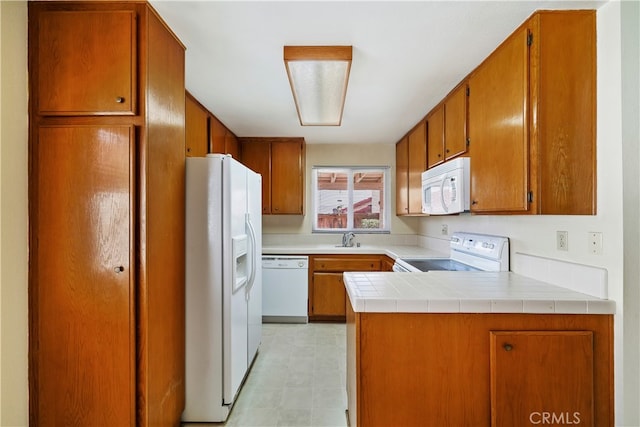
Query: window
{"points": [[351, 199]]}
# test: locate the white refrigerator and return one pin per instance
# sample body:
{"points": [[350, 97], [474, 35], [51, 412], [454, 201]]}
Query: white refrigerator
{"points": [[223, 282]]}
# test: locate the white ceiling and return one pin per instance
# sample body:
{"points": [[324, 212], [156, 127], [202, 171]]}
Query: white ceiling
{"points": [[406, 57]]}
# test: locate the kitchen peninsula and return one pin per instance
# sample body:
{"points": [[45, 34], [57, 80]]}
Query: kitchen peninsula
{"points": [[475, 348]]}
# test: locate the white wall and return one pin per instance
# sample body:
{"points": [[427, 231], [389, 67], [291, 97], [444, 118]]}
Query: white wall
{"points": [[536, 235], [13, 214]]}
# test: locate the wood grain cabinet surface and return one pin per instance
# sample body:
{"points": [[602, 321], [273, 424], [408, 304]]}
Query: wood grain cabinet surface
{"points": [[464, 369], [447, 128], [106, 274], [196, 128], [327, 294], [90, 62], [409, 170], [281, 162], [532, 119], [526, 117]]}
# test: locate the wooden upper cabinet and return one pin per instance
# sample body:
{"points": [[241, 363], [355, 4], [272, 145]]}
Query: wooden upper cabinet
{"points": [[231, 145], [257, 157], [455, 124], [563, 112], [498, 128], [287, 177], [532, 108], [402, 177], [217, 135], [86, 62], [447, 128], [281, 162], [417, 165], [196, 124], [435, 136]]}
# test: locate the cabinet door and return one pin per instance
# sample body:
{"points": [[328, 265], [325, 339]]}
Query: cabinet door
{"points": [[455, 125], [197, 142], [542, 377], [499, 147], [435, 137], [402, 177], [287, 181], [417, 165], [231, 145], [82, 278], [329, 295], [86, 62], [257, 157], [217, 134]]}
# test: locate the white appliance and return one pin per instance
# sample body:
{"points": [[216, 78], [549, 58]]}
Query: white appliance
{"points": [[223, 283], [285, 288], [445, 188], [469, 252]]}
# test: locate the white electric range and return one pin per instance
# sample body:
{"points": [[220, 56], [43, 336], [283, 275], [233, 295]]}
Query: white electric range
{"points": [[469, 252]]}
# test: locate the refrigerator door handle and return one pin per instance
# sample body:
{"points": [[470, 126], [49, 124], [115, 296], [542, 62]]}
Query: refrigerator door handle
{"points": [[252, 238]]}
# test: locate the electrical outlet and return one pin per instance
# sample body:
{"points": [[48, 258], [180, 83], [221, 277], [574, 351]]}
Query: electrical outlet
{"points": [[595, 243], [562, 240], [445, 230]]}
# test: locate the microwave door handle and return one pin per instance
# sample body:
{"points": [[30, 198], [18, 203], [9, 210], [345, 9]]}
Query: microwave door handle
{"points": [[444, 205]]}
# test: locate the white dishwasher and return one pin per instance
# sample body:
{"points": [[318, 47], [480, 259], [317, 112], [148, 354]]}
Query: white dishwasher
{"points": [[284, 288]]}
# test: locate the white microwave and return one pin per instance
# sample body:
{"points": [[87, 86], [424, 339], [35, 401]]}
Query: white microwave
{"points": [[445, 188]]}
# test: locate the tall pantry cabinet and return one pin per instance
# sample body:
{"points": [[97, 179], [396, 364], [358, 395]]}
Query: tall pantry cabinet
{"points": [[106, 204]]}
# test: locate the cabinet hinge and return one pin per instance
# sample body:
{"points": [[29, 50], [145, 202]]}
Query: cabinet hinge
{"points": [[529, 39], [468, 142], [530, 197], [468, 91]]}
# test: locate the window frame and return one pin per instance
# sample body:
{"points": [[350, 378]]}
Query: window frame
{"points": [[351, 171]]}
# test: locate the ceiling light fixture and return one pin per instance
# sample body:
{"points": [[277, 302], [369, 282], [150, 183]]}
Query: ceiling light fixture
{"points": [[318, 76]]}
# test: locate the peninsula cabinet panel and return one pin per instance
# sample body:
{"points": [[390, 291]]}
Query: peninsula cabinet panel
{"points": [[88, 59], [85, 357], [106, 202], [532, 119], [537, 375], [196, 122], [402, 177], [455, 369]]}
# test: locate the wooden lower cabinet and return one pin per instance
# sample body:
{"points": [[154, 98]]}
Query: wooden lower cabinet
{"points": [[327, 295], [463, 369]]}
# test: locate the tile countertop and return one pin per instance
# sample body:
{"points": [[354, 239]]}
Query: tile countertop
{"points": [[465, 292], [399, 251]]}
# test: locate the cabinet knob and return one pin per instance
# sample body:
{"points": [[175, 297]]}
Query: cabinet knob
{"points": [[474, 202], [120, 99], [119, 269], [439, 155], [448, 150], [188, 150], [507, 347]]}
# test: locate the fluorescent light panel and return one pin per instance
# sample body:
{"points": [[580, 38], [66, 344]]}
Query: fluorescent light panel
{"points": [[318, 76]]}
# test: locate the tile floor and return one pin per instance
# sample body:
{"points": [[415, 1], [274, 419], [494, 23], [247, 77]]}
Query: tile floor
{"points": [[298, 378]]}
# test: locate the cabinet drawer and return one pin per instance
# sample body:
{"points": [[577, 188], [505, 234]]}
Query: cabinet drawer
{"points": [[342, 264]]}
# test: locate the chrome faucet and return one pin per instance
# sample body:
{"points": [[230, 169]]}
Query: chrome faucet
{"points": [[347, 239]]}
